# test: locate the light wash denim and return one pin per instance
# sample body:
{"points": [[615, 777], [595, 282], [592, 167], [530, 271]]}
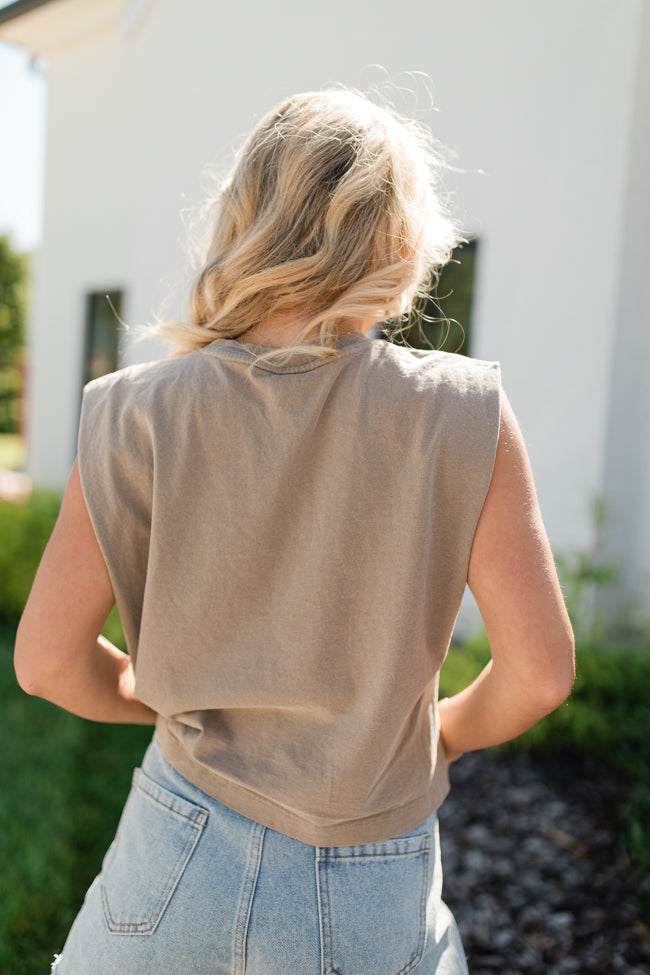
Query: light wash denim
{"points": [[190, 887]]}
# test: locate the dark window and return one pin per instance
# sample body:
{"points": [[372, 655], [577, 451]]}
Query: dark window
{"points": [[445, 319], [103, 311]]}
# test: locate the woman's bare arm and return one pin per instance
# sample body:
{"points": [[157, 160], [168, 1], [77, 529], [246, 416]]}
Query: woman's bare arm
{"points": [[60, 654], [513, 578]]}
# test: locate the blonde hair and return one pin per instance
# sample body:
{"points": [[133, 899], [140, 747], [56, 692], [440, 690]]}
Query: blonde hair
{"points": [[330, 213]]}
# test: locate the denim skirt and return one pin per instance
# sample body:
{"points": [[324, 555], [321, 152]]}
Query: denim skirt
{"points": [[190, 887]]}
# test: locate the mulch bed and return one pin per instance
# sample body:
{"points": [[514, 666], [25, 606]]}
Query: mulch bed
{"points": [[535, 871]]}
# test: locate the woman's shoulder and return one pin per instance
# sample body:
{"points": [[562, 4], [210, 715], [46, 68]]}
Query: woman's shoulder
{"points": [[143, 374], [153, 381], [429, 368]]}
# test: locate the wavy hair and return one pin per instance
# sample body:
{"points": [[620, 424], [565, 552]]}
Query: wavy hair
{"points": [[330, 213]]}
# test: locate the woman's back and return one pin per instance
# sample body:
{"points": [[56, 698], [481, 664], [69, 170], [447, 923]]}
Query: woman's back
{"points": [[308, 528]]}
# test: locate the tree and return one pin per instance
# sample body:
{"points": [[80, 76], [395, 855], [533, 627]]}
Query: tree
{"points": [[13, 277]]}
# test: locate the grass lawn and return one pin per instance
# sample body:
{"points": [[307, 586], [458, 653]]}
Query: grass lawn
{"points": [[63, 782]]}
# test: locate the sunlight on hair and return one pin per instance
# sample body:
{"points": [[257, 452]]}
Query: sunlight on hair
{"points": [[331, 214]]}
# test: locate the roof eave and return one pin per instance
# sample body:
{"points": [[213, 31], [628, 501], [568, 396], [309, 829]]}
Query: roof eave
{"points": [[19, 8]]}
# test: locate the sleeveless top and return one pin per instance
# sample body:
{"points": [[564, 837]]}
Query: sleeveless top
{"points": [[288, 546]]}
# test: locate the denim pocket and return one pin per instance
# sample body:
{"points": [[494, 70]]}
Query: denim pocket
{"points": [[373, 906], [154, 842]]}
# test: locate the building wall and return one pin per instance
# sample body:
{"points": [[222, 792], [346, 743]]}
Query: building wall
{"points": [[625, 538], [538, 101]]}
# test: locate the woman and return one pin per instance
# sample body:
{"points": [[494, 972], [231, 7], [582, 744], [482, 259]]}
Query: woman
{"points": [[287, 513]]}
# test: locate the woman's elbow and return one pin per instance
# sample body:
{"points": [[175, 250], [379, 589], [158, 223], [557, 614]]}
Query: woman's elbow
{"points": [[558, 683], [557, 694], [27, 683], [27, 680], [24, 675], [28, 665]]}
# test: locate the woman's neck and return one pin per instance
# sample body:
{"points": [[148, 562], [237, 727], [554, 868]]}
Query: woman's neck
{"points": [[280, 331]]}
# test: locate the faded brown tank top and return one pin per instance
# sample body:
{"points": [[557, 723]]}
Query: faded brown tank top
{"points": [[288, 547]]}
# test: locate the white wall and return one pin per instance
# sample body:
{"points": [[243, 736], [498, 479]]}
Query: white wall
{"points": [[539, 96], [626, 531]]}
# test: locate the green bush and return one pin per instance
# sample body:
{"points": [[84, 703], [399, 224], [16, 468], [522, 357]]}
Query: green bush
{"points": [[12, 451], [24, 531], [13, 285]]}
